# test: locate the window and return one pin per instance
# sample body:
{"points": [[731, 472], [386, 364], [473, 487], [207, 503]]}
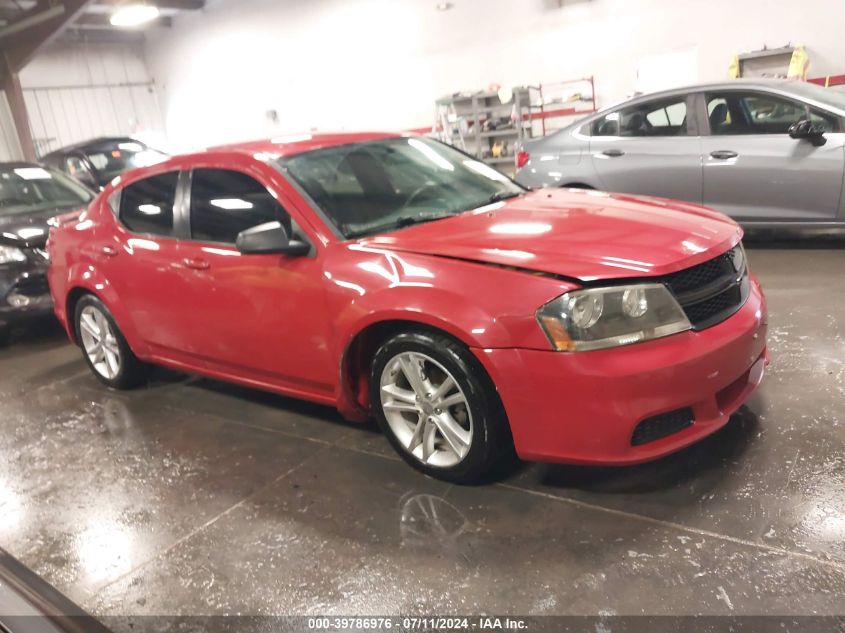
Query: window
{"points": [[224, 203], [146, 206], [654, 118], [77, 168], [735, 113]]}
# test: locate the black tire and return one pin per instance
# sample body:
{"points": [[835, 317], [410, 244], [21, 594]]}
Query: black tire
{"points": [[491, 449], [132, 372]]}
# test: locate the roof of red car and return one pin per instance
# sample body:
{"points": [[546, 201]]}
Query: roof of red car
{"points": [[290, 144]]}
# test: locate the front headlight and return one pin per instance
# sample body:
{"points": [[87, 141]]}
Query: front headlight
{"points": [[10, 254], [597, 318]]}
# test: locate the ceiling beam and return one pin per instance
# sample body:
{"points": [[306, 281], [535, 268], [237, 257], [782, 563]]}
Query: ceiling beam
{"points": [[88, 21], [180, 5], [19, 47], [29, 19]]}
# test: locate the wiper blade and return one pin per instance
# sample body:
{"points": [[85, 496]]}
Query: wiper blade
{"points": [[499, 196], [399, 223]]}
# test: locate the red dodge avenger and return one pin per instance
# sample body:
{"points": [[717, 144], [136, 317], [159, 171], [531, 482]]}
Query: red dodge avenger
{"points": [[395, 277]]}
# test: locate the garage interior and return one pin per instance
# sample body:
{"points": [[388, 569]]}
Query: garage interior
{"points": [[191, 497]]}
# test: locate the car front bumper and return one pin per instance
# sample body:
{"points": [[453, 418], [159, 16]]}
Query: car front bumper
{"points": [[24, 293], [583, 407]]}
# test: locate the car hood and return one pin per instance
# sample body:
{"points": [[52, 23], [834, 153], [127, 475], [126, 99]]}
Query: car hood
{"points": [[28, 230], [581, 234]]}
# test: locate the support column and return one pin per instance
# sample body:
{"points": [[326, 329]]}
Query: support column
{"points": [[14, 94]]}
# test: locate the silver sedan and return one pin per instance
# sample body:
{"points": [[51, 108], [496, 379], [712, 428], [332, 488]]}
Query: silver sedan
{"points": [[769, 153]]}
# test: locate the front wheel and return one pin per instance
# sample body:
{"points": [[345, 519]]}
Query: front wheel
{"points": [[438, 408], [105, 349]]}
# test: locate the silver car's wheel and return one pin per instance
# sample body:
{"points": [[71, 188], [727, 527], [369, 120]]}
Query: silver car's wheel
{"points": [[426, 409], [99, 342]]}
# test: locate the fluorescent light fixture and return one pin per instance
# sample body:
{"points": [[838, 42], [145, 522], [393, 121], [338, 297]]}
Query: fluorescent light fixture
{"points": [[33, 173], [149, 209], [134, 15], [231, 204]]}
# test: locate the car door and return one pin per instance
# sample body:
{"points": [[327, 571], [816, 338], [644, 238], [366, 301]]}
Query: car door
{"points": [[143, 260], [650, 147], [753, 169], [261, 314]]}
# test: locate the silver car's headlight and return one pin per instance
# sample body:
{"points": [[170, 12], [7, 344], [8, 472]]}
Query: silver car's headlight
{"points": [[10, 254], [597, 318]]}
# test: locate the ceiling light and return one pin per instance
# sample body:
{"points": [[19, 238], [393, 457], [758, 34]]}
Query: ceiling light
{"points": [[445, 6], [134, 15]]}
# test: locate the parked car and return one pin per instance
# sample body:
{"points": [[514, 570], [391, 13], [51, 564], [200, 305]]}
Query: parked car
{"points": [[96, 162], [769, 153], [396, 276], [29, 196]]}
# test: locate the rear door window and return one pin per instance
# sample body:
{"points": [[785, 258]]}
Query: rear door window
{"points": [[666, 117], [146, 206]]}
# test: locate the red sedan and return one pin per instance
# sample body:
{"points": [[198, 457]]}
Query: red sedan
{"points": [[396, 277]]}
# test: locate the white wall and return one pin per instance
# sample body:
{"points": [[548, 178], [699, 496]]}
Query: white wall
{"points": [[75, 92], [355, 64]]}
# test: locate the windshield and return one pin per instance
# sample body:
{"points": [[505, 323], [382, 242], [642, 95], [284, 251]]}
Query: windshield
{"points": [[30, 189], [373, 187], [830, 96], [113, 161]]}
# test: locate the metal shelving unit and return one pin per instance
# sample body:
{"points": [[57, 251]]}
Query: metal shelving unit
{"points": [[483, 126]]}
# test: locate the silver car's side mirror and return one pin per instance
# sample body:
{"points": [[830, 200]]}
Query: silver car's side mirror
{"points": [[806, 129]]}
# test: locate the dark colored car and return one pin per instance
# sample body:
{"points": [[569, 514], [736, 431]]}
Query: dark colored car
{"points": [[29, 196], [96, 162]]}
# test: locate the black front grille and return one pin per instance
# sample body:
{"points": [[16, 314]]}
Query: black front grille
{"points": [[703, 274], [663, 425], [712, 291], [32, 285]]}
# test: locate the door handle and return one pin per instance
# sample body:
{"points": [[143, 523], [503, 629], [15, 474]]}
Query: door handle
{"points": [[108, 251], [613, 153], [723, 154], [195, 264]]}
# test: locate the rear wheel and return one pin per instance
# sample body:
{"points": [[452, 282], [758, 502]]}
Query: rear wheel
{"points": [[437, 406], [104, 347]]}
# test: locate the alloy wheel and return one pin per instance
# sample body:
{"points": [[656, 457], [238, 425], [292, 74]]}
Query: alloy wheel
{"points": [[426, 409], [99, 342]]}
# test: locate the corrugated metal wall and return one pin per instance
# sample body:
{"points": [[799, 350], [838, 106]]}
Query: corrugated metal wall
{"points": [[9, 146], [61, 115], [74, 92]]}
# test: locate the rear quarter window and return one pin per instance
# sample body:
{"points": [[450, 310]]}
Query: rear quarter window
{"points": [[146, 206]]}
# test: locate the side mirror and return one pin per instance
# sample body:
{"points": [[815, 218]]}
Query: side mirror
{"points": [[805, 129], [270, 238]]}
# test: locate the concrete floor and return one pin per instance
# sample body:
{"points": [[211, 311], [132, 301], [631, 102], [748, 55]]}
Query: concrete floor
{"points": [[195, 497]]}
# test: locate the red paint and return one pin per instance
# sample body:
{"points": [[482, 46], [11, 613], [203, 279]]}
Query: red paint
{"points": [[287, 324]]}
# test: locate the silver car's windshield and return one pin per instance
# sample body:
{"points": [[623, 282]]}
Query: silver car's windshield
{"points": [[377, 186]]}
